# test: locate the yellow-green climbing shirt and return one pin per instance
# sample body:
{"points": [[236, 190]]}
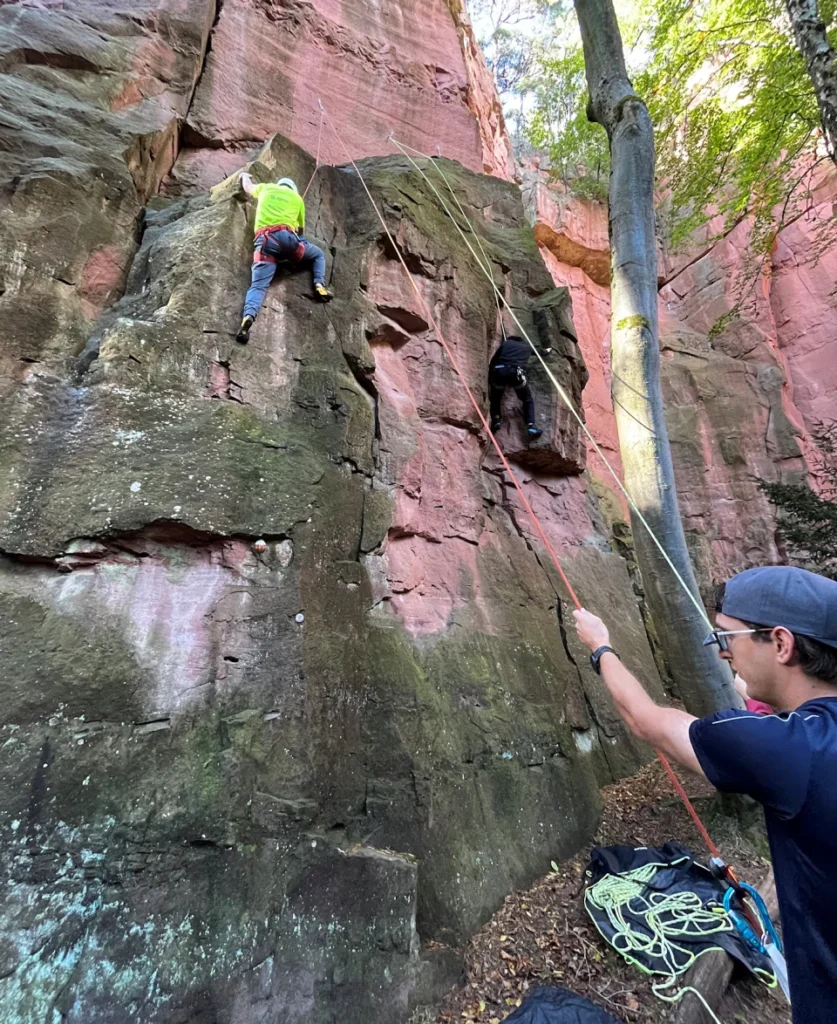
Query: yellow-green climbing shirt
{"points": [[278, 205]]}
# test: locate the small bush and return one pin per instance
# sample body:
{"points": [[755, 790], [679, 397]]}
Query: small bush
{"points": [[808, 520], [422, 1015]]}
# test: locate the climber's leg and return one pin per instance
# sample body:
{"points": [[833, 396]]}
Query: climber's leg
{"points": [[496, 389], [527, 402], [527, 406], [315, 258], [261, 275]]}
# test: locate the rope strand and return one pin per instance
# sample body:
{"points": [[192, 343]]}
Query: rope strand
{"points": [[319, 140], [485, 267], [667, 918], [477, 408], [561, 392], [536, 522]]}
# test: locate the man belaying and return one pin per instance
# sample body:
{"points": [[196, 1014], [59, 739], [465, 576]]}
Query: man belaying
{"points": [[777, 627], [507, 370], [280, 221]]}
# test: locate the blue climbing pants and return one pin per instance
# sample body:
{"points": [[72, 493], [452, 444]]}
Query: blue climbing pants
{"points": [[263, 271]]}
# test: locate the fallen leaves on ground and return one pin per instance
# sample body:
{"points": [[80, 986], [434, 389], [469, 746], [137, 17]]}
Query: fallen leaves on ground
{"points": [[543, 936]]}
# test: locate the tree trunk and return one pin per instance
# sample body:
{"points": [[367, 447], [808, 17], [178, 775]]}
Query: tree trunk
{"points": [[812, 41], [703, 681]]}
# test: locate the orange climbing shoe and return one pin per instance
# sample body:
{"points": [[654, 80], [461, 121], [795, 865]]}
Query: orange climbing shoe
{"points": [[322, 293]]}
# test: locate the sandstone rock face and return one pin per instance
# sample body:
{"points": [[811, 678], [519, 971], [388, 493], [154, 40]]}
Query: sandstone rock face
{"points": [[409, 68], [91, 103], [240, 784], [747, 383]]}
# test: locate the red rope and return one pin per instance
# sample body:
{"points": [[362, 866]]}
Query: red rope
{"points": [[713, 849], [690, 807]]}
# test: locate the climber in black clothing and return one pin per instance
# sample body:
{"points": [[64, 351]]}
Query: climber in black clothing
{"points": [[507, 369]]}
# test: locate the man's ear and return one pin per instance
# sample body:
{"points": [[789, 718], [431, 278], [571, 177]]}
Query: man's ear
{"points": [[784, 644]]}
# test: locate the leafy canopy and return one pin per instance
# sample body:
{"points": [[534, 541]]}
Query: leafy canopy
{"points": [[736, 119], [734, 112]]}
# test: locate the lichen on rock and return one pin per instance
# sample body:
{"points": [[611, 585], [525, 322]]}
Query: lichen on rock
{"points": [[246, 784]]}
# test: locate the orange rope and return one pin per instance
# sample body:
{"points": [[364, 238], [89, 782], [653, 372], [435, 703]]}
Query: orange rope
{"points": [[690, 807], [713, 849]]}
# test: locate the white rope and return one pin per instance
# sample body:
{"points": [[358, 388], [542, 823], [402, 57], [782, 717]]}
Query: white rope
{"points": [[486, 266], [562, 393]]}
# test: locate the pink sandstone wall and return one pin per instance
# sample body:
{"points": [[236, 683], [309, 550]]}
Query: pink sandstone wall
{"points": [[276, 630], [411, 68], [743, 402], [573, 240]]}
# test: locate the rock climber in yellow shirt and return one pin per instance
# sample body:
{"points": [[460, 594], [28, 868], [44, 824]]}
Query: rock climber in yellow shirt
{"points": [[280, 221]]}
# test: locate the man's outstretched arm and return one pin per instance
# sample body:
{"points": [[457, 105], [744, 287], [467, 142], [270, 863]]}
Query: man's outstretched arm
{"points": [[666, 729], [247, 183]]}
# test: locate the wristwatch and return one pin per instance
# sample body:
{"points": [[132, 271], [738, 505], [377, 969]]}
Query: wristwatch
{"points": [[596, 657]]}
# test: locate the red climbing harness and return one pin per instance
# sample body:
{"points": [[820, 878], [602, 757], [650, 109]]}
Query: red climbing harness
{"points": [[290, 249]]}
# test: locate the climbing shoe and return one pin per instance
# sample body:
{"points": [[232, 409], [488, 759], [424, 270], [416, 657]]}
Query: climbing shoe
{"points": [[495, 425], [533, 432], [322, 293], [244, 331]]}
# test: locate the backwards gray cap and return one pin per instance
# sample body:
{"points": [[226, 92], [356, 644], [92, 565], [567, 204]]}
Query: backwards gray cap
{"points": [[781, 595]]}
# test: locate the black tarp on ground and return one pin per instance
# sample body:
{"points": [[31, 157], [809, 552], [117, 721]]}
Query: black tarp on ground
{"points": [[680, 872], [558, 1006]]}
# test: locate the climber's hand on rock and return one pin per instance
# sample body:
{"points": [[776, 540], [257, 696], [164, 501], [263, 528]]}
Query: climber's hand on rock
{"points": [[592, 632]]}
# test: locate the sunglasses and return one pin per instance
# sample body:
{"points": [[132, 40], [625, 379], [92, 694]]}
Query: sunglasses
{"points": [[719, 636]]}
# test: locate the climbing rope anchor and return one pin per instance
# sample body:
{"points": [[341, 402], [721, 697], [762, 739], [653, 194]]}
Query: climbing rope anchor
{"points": [[319, 140]]}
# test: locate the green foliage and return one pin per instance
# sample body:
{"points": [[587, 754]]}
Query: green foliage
{"points": [[809, 519], [514, 34], [735, 116], [734, 112], [534, 50], [558, 125], [809, 524]]}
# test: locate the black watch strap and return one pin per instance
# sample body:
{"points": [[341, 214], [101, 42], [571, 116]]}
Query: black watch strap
{"points": [[596, 656]]}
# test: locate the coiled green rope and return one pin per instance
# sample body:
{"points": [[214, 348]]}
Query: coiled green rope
{"points": [[668, 917]]}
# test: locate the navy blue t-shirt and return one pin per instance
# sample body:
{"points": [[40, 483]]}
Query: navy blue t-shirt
{"points": [[788, 762]]}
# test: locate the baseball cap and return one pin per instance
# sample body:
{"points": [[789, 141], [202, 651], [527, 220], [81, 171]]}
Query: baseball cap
{"points": [[782, 595]]}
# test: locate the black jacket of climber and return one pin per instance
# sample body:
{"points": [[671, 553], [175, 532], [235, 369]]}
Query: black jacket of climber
{"points": [[506, 370], [514, 353]]}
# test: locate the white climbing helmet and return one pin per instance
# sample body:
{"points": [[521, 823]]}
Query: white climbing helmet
{"points": [[288, 183]]}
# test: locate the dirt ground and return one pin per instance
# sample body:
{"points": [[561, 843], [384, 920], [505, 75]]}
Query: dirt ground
{"points": [[543, 936]]}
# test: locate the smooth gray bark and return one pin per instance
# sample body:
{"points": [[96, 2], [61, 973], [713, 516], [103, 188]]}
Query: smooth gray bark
{"points": [[703, 681], [812, 41]]}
